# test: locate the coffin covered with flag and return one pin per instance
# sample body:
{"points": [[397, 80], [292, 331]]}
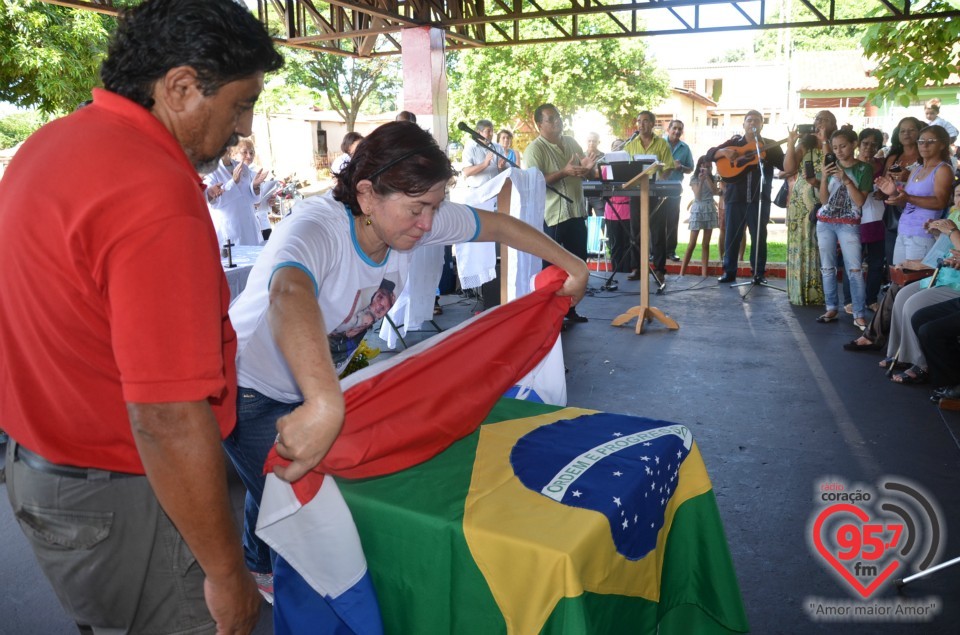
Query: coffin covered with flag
{"points": [[551, 521], [543, 520]]}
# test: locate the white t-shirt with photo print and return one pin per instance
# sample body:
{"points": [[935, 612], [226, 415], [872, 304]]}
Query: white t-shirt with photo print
{"points": [[318, 238]]}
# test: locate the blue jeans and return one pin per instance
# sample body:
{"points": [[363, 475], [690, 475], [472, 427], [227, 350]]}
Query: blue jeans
{"points": [[828, 234], [248, 446]]}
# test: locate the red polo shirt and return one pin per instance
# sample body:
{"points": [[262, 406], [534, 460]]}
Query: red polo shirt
{"points": [[111, 288]]}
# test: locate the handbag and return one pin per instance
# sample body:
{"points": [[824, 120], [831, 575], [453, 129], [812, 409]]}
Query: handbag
{"points": [[783, 195], [902, 277]]}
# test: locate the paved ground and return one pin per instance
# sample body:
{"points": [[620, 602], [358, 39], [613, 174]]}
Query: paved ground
{"points": [[776, 407]]}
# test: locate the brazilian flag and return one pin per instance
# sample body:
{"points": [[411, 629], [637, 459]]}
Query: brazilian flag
{"points": [[549, 520]]}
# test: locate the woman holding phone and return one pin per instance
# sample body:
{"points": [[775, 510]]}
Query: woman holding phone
{"points": [[844, 188], [804, 283]]}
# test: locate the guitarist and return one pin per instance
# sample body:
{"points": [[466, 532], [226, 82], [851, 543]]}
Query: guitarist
{"points": [[745, 203]]}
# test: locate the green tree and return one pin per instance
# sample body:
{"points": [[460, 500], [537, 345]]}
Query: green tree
{"points": [[50, 55], [777, 43], [17, 126], [345, 82], [910, 54], [279, 95], [506, 84]]}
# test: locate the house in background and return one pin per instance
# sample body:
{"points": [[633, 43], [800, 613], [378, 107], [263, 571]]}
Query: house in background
{"points": [[303, 143], [691, 107], [789, 92], [840, 81]]}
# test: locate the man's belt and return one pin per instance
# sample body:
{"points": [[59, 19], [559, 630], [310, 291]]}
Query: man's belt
{"points": [[36, 462]]}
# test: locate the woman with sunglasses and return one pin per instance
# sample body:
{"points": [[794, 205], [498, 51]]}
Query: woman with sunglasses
{"points": [[923, 196], [320, 275]]}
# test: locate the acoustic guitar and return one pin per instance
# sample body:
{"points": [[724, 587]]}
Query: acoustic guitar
{"points": [[731, 169]]}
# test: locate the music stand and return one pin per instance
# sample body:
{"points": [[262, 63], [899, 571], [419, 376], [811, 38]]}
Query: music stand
{"points": [[622, 173], [644, 312]]}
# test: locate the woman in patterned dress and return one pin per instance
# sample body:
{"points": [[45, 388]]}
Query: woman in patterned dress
{"points": [[804, 282]]}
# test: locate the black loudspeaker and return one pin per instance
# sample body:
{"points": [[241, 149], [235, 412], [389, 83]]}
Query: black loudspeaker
{"points": [[448, 277], [490, 291]]}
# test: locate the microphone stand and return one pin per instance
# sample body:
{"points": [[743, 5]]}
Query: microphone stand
{"points": [[757, 280], [480, 139]]}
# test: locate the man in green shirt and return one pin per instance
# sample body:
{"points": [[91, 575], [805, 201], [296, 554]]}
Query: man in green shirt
{"points": [[561, 160], [648, 143]]}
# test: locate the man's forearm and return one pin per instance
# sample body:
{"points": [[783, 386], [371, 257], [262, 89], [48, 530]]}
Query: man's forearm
{"points": [[470, 170], [179, 444]]}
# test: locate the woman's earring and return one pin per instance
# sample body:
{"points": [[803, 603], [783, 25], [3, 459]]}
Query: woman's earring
{"points": [[368, 222]]}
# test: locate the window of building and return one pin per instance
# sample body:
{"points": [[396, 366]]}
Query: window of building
{"points": [[690, 84]]}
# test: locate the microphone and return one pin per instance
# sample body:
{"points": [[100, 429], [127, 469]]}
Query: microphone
{"points": [[635, 134], [476, 136], [754, 130]]}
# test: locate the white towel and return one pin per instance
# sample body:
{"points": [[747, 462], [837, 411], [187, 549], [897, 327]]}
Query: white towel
{"points": [[415, 304], [476, 262]]}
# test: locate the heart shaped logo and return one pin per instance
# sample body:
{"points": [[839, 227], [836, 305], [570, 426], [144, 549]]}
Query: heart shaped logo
{"points": [[855, 547]]}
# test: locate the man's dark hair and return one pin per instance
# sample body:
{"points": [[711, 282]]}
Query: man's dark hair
{"points": [[647, 113], [406, 115], [348, 140], [538, 113], [219, 39], [396, 157], [484, 123]]}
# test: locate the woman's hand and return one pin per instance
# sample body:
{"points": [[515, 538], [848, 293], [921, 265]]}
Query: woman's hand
{"points": [[238, 172], [306, 434], [214, 192], [887, 185], [575, 286], [953, 261], [942, 226]]}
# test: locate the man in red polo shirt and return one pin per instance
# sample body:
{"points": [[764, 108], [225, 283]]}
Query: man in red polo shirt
{"points": [[117, 375]]}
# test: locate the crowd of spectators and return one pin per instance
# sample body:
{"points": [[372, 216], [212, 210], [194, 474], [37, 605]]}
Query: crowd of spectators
{"points": [[887, 212]]}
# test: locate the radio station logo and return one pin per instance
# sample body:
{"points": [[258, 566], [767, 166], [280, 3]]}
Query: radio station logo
{"points": [[870, 538]]}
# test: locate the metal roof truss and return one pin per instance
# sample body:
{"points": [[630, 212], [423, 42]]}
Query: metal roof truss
{"points": [[367, 28]]}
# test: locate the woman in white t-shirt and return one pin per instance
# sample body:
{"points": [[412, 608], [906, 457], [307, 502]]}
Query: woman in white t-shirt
{"points": [[340, 259]]}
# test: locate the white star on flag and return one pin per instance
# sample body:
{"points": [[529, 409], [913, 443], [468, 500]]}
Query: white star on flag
{"points": [[577, 493], [618, 473], [626, 524], [616, 501]]}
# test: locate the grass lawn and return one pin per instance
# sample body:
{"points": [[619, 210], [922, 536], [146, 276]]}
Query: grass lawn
{"points": [[776, 251]]}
